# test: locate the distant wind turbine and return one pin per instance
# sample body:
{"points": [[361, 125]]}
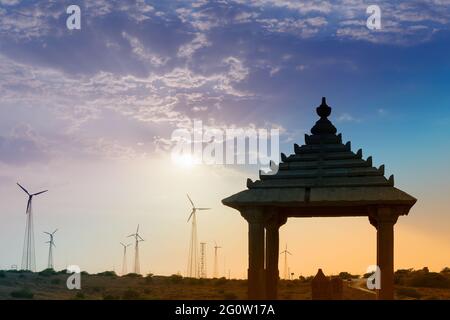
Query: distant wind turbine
{"points": [[286, 271], [28, 256], [137, 239], [124, 261], [51, 244], [216, 266], [192, 270]]}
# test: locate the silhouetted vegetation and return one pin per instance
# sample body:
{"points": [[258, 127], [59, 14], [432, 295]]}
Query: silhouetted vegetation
{"points": [[220, 281], [2, 274], [131, 294], [133, 275], [408, 292], [175, 278], [421, 278], [229, 296], [22, 294], [47, 272], [347, 276], [107, 274]]}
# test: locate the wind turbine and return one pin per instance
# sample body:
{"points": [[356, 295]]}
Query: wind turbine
{"points": [[51, 244], [192, 271], [28, 257], [216, 266], [137, 239], [286, 252], [124, 262]]}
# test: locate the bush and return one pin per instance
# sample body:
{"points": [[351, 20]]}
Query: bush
{"points": [[133, 275], [47, 272], [107, 274], [347, 276], [2, 274], [429, 280], [109, 296], [176, 278], [230, 296], [22, 294], [409, 292], [131, 294], [446, 270], [55, 281], [220, 282], [80, 296]]}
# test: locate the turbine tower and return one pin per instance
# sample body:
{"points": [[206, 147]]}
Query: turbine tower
{"points": [[216, 266], [286, 271], [137, 239], [124, 261], [192, 270], [28, 256], [202, 259], [51, 244]]}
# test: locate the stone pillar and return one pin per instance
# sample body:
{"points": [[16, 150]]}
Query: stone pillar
{"points": [[384, 220], [272, 253], [256, 278]]}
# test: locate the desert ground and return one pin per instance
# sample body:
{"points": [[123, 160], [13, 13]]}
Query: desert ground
{"points": [[51, 285]]}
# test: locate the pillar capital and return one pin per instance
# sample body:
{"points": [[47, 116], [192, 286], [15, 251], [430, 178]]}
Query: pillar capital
{"points": [[274, 220], [254, 215], [383, 215]]}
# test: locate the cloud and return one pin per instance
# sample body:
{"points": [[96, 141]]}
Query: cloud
{"points": [[188, 49], [22, 146], [346, 117]]}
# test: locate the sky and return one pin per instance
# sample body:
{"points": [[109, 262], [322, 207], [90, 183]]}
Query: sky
{"points": [[88, 114]]}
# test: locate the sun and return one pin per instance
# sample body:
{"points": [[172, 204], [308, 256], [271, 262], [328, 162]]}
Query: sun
{"points": [[183, 160]]}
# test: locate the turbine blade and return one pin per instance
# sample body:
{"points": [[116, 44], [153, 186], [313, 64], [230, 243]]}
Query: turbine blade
{"points": [[131, 235], [23, 188], [203, 208], [137, 229], [54, 231], [190, 216], [140, 237], [122, 244], [47, 233], [29, 204], [190, 200], [35, 194]]}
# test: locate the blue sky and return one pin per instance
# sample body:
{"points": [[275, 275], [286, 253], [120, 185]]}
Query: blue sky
{"points": [[106, 98]]}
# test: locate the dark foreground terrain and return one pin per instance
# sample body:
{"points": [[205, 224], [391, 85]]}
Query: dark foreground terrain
{"points": [[49, 284]]}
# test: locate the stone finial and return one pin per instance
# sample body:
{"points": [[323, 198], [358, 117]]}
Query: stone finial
{"points": [[323, 110], [323, 126]]}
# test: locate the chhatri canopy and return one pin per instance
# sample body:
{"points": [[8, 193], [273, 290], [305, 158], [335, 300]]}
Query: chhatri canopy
{"points": [[323, 173]]}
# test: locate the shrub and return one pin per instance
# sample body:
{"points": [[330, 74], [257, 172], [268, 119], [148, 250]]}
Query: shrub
{"points": [[80, 296], [133, 275], [107, 274], [176, 278], [109, 296], [131, 294], [429, 280], [55, 281], [446, 270], [230, 296], [347, 276], [2, 274], [409, 292], [22, 294], [220, 281], [47, 272]]}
